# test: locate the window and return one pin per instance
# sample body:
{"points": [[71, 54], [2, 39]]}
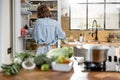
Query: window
{"points": [[105, 12], [78, 16]]}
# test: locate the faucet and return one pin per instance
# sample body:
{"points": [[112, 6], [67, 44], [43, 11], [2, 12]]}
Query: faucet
{"points": [[94, 25]]}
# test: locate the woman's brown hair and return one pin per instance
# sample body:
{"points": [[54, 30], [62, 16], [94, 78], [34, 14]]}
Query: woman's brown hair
{"points": [[43, 11]]}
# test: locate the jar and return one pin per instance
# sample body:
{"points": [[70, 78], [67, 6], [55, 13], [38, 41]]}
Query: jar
{"points": [[81, 38]]}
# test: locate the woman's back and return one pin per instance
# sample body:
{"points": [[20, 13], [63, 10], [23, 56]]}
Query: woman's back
{"points": [[47, 31]]}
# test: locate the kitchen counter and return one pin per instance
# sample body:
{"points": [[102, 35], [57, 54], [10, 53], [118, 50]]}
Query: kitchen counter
{"points": [[37, 74], [53, 75], [117, 44]]}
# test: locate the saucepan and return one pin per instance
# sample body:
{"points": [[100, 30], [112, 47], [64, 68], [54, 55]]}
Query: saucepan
{"points": [[95, 53]]}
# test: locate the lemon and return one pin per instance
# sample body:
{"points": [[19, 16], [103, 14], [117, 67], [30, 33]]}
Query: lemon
{"points": [[61, 58], [58, 61]]}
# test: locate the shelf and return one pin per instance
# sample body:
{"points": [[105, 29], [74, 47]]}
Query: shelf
{"points": [[30, 50], [35, 10], [25, 12], [25, 37], [25, 8], [26, 4], [33, 18], [53, 9]]}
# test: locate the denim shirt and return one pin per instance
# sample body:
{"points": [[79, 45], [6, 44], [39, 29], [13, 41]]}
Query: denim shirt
{"points": [[47, 31]]}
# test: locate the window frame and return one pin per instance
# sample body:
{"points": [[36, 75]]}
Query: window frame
{"points": [[87, 3]]}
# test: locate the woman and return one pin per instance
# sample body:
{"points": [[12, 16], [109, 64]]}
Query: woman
{"points": [[46, 30]]}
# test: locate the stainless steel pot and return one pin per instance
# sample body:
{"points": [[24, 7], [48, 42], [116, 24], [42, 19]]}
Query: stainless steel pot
{"points": [[95, 55]]}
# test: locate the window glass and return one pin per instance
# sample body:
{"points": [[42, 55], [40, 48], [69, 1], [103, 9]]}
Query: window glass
{"points": [[78, 16], [112, 16], [96, 12], [80, 1], [112, 0], [95, 0]]}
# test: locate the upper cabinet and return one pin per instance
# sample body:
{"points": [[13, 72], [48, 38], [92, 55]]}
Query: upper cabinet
{"points": [[106, 13]]}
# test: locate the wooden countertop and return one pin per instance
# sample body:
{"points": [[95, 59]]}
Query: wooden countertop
{"points": [[53, 75], [37, 74], [75, 74]]}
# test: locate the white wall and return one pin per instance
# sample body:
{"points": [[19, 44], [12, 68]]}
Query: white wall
{"points": [[4, 30], [0, 29]]}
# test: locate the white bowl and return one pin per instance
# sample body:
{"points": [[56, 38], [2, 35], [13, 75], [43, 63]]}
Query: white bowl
{"points": [[62, 67], [28, 68]]}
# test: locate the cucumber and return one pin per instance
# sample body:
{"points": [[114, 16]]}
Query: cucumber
{"points": [[12, 71], [15, 69]]}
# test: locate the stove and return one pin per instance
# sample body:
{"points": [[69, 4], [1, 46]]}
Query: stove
{"points": [[90, 66], [110, 64]]}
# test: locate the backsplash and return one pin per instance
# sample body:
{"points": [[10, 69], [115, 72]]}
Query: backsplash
{"points": [[114, 36], [103, 35]]}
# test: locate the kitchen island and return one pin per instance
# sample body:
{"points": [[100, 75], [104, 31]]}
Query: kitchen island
{"points": [[37, 74], [75, 73], [53, 75]]}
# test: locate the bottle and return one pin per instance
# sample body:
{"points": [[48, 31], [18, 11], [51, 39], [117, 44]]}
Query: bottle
{"points": [[81, 38], [23, 32]]}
